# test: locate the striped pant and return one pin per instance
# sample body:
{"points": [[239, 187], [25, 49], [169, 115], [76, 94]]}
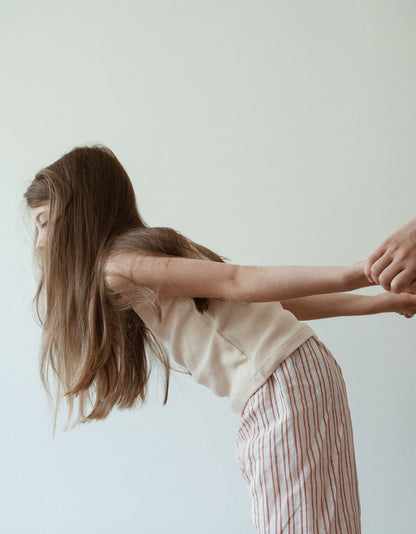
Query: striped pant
{"points": [[295, 448]]}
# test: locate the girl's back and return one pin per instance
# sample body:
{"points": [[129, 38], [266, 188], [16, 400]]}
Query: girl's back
{"points": [[232, 347]]}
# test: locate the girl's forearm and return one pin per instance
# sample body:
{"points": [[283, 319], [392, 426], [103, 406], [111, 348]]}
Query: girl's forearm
{"points": [[333, 305], [277, 282]]}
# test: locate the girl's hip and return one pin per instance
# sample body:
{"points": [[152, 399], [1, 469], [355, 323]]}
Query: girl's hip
{"points": [[309, 374]]}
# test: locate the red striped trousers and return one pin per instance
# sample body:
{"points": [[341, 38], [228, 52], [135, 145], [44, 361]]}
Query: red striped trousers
{"points": [[295, 448]]}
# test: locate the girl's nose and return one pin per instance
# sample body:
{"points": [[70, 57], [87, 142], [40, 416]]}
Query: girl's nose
{"points": [[39, 243]]}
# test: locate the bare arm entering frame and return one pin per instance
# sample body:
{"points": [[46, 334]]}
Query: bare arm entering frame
{"points": [[263, 284], [331, 305], [341, 304], [185, 277]]}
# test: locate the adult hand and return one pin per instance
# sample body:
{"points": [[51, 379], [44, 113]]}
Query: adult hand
{"points": [[393, 264]]}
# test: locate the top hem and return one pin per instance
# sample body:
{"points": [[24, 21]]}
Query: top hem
{"points": [[239, 402]]}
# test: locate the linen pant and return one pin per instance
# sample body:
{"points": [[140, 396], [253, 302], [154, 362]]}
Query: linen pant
{"points": [[295, 448]]}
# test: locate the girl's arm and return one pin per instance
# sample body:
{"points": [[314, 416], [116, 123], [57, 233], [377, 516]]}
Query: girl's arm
{"points": [[340, 304], [334, 305], [185, 277], [263, 284]]}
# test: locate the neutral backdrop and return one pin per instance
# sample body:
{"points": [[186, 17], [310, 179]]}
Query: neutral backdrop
{"points": [[271, 132]]}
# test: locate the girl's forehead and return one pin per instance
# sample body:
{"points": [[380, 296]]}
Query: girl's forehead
{"points": [[40, 208]]}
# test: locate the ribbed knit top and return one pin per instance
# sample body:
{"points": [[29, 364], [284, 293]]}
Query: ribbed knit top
{"points": [[233, 347]]}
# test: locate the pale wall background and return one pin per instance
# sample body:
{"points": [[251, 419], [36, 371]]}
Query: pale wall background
{"points": [[273, 133]]}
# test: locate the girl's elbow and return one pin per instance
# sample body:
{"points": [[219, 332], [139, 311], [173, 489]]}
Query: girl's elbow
{"points": [[236, 285]]}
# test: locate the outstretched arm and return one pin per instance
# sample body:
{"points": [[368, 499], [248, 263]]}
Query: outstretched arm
{"points": [[263, 284], [185, 277], [342, 304], [331, 305]]}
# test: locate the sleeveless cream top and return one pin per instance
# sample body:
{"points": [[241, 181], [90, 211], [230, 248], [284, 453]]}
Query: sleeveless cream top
{"points": [[231, 348]]}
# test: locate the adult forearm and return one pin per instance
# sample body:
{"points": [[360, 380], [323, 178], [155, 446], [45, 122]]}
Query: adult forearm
{"points": [[332, 305], [279, 282]]}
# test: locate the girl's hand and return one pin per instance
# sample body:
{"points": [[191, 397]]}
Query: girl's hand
{"points": [[402, 303], [354, 276]]}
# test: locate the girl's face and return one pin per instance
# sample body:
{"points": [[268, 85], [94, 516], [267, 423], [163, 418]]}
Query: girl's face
{"points": [[41, 215]]}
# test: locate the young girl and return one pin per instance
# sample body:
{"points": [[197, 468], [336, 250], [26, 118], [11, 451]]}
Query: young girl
{"points": [[119, 293]]}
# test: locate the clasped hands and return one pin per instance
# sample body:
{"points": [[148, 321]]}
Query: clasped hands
{"points": [[392, 265]]}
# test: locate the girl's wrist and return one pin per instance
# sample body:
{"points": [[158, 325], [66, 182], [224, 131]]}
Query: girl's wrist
{"points": [[384, 302], [354, 276]]}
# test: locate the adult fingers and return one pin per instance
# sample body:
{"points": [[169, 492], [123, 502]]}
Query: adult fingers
{"points": [[372, 258], [389, 274], [402, 286], [367, 271], [377, 253], [402, 281], [378, 268]]}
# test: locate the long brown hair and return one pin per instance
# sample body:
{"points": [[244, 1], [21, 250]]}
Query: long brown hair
{"points": [[92, 339]]}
